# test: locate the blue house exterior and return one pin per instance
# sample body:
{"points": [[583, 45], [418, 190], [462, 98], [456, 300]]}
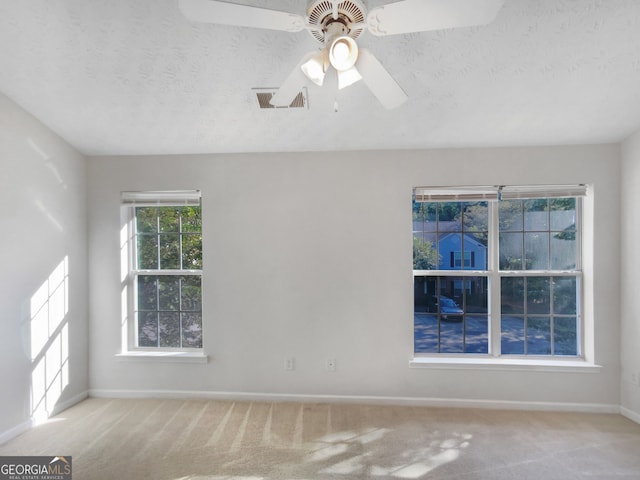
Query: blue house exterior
{"points": [[461, 252], [457, 251]]}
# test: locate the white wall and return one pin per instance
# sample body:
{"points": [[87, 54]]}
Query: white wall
{"points": [[309, 255], [630, 232], [43, 222]]}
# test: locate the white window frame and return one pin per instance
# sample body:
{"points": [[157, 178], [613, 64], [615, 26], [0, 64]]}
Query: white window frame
{"points": [[494, 358], [130, 351]]}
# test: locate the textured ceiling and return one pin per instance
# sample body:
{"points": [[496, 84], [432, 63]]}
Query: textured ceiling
{"points": [[135, 77]]}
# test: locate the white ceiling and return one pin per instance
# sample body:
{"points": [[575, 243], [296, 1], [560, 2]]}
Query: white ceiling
{"points": [[134, 77]]}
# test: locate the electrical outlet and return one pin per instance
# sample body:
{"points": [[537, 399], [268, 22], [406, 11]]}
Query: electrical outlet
{"points": [[331, 364], [290, 364]]}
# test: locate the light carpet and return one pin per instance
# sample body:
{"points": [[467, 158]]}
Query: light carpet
{"points": [[166, 439]]}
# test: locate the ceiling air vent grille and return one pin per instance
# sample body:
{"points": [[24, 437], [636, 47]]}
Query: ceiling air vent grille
{"points": [[264, 96]]}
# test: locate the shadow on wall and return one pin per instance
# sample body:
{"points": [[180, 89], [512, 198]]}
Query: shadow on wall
{"points": [[49, 333]]}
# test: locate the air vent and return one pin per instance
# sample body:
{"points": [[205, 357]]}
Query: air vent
{"points": [[264, 96]]}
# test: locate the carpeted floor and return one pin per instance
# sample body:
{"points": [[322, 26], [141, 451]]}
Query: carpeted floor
{"points": [[198, 439]]}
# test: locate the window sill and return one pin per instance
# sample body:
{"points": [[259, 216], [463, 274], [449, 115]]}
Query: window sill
{"points": [[506, 364], [163, 357]]}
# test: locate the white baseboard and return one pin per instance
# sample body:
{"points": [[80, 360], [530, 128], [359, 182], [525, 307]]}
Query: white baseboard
{"points": [[630, 414], [352, 399], [62, 406], [27, 424], [357, 399], [15, 431]]}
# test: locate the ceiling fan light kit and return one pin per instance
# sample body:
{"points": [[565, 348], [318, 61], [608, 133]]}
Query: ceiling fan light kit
{"points": [[336, 24], [343, 53], [348, 77], [315, 69]]}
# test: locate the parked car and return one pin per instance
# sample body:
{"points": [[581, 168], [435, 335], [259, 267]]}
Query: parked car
{"points": [[449, 309]]}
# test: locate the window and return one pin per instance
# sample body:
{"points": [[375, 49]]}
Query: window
{"points": [[497, 259], [457, 259], [165, 270]]}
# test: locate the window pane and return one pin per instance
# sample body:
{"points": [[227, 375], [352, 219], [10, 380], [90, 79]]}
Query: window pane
{"points": [[191, 219], [510, 214], [539, 336], [424, 217], [538, 295], [565, 295], [169, 293], [563, 251], [536, 215], [170, 252], [450, 315], [169, 329], [192, 252], [147, 293], [192, 330], [449, 298], [191, 294], [169, 219], [476, 217], [565, 336], [424, 294], [549, 235], [425, 335], [475, 251], [449, 244], [148, 329], [473, 255], [563, 215], [450, 216], [476, 294], [512, 295], [425, 255], [147, 252], [476, 236], [476, 334], [536, 247], [175, 298], [512, 335], [511, 251], [462, 235], [146, 219], [451, 335], [450, 236]]}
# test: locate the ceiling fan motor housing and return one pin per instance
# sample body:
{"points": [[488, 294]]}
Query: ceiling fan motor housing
{"points": [[351, 15]]}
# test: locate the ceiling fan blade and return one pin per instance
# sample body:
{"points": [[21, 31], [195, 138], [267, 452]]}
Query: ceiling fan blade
{"points": [[348, 77], [423, 15], [379, 81], [223, 13], [292, 85]]}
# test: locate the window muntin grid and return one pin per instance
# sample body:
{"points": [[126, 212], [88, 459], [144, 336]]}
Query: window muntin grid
{"points": [[167, 276], [548, 233]]}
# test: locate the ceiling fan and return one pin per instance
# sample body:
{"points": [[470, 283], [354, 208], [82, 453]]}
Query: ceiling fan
{"points": [[336, 24]]}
